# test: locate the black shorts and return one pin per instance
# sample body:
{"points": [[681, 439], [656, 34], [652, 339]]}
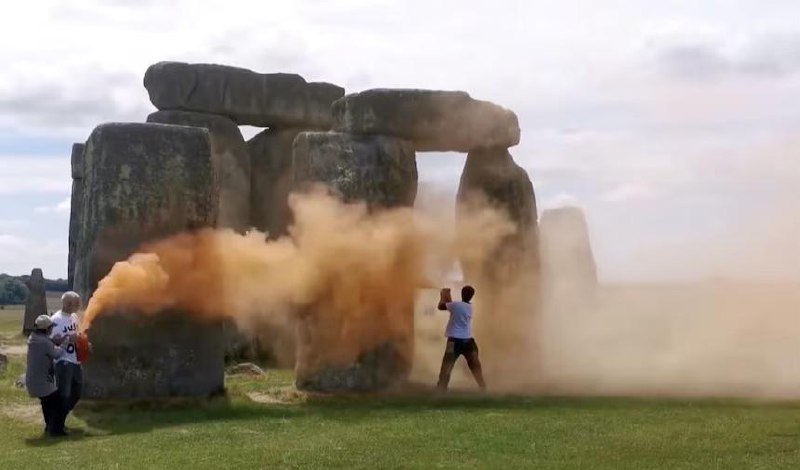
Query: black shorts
{"points": [[458, 346]]}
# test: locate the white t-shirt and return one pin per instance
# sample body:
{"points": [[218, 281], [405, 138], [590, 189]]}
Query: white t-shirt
{"points": [[460, 319], [64, 325]]}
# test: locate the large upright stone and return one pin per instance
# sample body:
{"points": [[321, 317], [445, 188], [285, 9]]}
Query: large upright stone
{"points": [[567, 259], [231, 163], [76, 203], [247, 97], [374, 349], [506, 281], [376, 169], [492, 177], [144, 182], [430, 119], [271, 179], [36, 304]]}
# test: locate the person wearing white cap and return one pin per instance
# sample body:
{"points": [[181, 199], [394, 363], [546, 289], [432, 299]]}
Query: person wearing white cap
{"points": [[40, 375]]}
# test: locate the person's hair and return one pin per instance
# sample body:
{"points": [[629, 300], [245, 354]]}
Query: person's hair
{"points": [[70, 295], [467, 292]]}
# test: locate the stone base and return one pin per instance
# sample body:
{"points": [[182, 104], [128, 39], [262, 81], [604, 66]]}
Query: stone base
{"points": [[169, 354], [375, 370], [341, 352]]}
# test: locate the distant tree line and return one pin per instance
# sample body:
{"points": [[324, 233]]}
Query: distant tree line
{"points": [[14, 291], [50, 285]]}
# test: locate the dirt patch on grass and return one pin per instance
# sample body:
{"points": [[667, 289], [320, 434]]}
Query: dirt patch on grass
{"points": [[22, 413], [14, 350], [277, 396]]}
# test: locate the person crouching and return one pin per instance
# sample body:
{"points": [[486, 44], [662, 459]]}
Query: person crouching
{"points": [[40, 376]]}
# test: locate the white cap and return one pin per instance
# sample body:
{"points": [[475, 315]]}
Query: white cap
{"points": [[42, 322]]}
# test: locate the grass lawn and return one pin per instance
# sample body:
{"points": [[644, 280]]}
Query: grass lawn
{"points": [[264, 423]]}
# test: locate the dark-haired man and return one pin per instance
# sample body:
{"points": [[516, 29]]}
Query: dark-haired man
{"points": [[459, 336]]}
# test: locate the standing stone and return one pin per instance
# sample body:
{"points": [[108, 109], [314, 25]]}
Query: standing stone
{"points": [[271, 180], [247, 97], [373, 350], [169, 354], [36, 304], [432, 120], [231, 163], [376, 169], [567, 259], [144, 182], [76, 203], [507, 285], [491, 176]]}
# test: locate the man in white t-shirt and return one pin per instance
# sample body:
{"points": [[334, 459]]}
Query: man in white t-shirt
{"points": [[459, 337], [69, 374]]}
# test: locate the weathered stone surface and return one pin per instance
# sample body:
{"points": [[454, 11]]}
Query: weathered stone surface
{"points": [[169, 354], [36, 304], [271, 179], [238, 345], [20, 382], [374, 370], [337, 352], [231, 163], [566, 250], [76, 203], [431, 119], [247, 97], [246, 368], [380, 170], [142, 182], [76, 160], [491, 176]]}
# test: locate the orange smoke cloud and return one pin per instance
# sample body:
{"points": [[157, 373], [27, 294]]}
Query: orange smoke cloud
{"points": [[357, 269]]}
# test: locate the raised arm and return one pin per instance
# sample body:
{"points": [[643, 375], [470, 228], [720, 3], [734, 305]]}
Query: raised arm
{"points": [[444, 299]]}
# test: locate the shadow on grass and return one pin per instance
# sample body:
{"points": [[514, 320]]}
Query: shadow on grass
{"points": [[115, 418], [119, 418], [126, 417], [46, 441]]}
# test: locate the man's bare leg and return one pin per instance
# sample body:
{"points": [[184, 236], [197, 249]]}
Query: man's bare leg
{"points": [[448, 361], [474, 364]]}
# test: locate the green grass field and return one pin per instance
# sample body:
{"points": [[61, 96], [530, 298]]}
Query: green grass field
{"points": [[264, 423]]}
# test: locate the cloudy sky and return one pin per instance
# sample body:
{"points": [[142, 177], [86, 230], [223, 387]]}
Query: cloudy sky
{"points": [[674, 124]]}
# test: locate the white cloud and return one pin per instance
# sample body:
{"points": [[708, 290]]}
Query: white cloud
{"points": [[19, 255], [628, 192], [10, 225], [671, 103], [560, 200], [61, 209], [31, 174]]}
